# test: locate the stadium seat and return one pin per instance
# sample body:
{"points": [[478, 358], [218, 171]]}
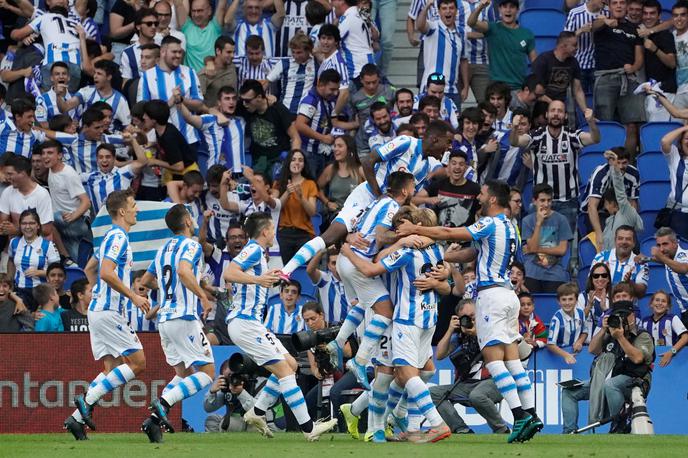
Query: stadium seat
{"points": [[583, 277], [307, 286], [545, 306], [544, 43], [646, 245], [651, 134], [527, 195], [587, 164], [657, 278], [543, 21], [611, 134], [73, 274], [317, 222], [85, 253], [653, 195], [653, 167], [648, 218], [586, 252], [530, 4], [644, 305]]}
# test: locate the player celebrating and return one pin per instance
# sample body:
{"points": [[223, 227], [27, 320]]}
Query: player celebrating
{"points": [[112, 340], [177, 268], [251, 278], [497, 304]]}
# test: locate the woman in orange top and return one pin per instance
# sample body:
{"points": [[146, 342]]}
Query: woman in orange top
{"points": [[298, 193]]}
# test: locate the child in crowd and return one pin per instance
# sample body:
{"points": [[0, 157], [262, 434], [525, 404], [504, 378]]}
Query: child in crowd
{"points": [[530, 325], [518, 277], [76, 319], [666, 328], [470, 285], [14, 316], [48, 302], [138, 319], [568, 327]]}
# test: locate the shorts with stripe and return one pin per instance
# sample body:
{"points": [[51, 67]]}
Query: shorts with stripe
{"points": [[256, 341], [183, 341], [111, 335]]}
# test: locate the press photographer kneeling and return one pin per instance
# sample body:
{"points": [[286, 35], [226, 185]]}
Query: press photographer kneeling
{"points": [[231, 391], [624, 356], [473, 381]]}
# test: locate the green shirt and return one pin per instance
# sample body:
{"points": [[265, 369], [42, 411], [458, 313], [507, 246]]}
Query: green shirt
{"points": [[200, 42], [508, 51]]}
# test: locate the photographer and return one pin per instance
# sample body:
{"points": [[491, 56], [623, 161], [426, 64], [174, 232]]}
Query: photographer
{"points": [[472, 380], [624, 356], [227, 391]]}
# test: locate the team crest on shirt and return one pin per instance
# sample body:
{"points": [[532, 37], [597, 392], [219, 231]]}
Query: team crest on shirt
{"points": [[681, 255], [116, 248], [479, 225], [394, 256], [242, 256]]}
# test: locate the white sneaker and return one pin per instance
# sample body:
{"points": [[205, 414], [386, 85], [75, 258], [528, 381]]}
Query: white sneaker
{"points": [[320, 428], [258, 422]]}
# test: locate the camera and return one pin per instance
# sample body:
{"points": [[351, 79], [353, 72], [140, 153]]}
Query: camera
{"points": [[466, 322], [306, 340], [240, 364]]}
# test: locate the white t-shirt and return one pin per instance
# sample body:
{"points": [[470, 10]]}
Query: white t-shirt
{"points": [[13, 202], [65, 189]]}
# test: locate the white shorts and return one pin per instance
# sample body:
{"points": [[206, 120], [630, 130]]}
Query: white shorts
{"points": [[256, 341], [183, 341], [411, 345], [357, 201], [111, 335], [368, 291], [383, 356], [496, 316]]}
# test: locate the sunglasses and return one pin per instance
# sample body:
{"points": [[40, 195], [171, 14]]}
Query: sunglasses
{"points": [[600, 275], [247, 101], [437, 77], [151, 23]]}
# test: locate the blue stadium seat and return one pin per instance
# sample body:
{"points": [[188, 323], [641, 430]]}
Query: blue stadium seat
{"points": [[646, 245], [73, 274], [648, 217], [307, 286], [653, 195], [651, 134], [653, 167], [317, 221], [530, 4], [587, 164], [85, 253], [543, 21], [545, 306], [667, 4], [583, 277], [586, 252], [544, 43], [657, 278], [644, 305], [527, 195], [611, 134], [248, 158]]}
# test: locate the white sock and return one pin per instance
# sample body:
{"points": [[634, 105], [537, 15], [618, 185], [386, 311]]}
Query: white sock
{"points": [[505, 383], [360, 404], [174, 382], [77, 415], [369, 343], [294, 397], [419, 394], [268, 395], [402, 406], [117, 376], [304, 255], [378, 401], [354, 317], [396, 391], [523, 386], [187, 387]]}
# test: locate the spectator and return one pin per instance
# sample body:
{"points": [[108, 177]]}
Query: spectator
{"points": [[39, 172], [296, 22], [569, 326], [666, 328], [46, 104], [515, 207], [618, 56], [216, 145], [372, 90], [227, 391], [469, 125], [330, 288], [403, 106], [218, 223], [444, 52], [76, 319], [218, 71], [358, 35], [675, 260], [505, 163], [216, 258], [436, 85], [49, 308], [525, 97], [476, 49], [660, 61], [579, 21], [596, 299], [675, 148], [168, 23], [419, 121], [261, 197], [634, 13], [454, 198], [255, 23], [379, 127], [56, 276], [558, 168], [71, 204], [473, 381], [298, 194], [530, 325], [271, 127], [146, 23], [430, 106], [122, 27], [18, 135], [333, 58], [339, 177], [188, 191], [547, 235], [621, 261], [517, 276], [150, 57], [508, 44], [558, 72], [235, 132], [284, 317], [202, 30], [254, 65], [498, 94], [679, 13], [14, 316]]}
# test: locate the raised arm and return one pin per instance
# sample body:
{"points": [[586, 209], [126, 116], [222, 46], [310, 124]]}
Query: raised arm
{"points": [[230, 14], [181, 12], [437, 233], [422, 21], [593, 137], [474, 23], [278, 15], [671, 137]]}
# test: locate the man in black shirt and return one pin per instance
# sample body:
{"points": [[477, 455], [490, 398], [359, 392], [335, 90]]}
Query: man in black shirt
{"points": [[271, 126], [618, 56], [660, 61]]}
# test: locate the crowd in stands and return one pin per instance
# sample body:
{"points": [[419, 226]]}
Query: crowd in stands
{"points": [[276, 106]]}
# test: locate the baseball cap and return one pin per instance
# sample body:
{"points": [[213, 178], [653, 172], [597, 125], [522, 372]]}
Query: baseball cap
{"points": [[513, 2], [622, 307]]}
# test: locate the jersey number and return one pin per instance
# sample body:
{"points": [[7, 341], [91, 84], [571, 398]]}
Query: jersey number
{"points": [[167, 281], [383, 342], [65, 26]]}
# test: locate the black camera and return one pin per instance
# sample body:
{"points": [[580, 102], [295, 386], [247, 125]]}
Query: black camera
{"points": [[466, 322], [306, 340], [617, 320], [240, 364]]}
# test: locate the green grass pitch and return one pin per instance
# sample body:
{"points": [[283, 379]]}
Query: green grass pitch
{"points": [[336, 445]]}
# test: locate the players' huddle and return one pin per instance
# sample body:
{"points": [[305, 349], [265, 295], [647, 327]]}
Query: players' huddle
{"points": [[393, 272]]}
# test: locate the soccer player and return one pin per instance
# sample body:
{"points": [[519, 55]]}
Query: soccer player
{"points": [[176, 273], [497, 305], [112, 340], [249, 274]]}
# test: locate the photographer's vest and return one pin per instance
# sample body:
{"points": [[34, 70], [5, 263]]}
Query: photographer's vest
{"points": [[623, 365]]}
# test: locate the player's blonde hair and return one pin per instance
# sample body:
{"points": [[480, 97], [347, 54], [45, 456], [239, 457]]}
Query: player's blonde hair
{"points": [[404, 213], [425, 216]]}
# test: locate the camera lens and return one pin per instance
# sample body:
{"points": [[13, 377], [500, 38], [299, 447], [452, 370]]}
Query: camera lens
{"points": [[466, 322]]}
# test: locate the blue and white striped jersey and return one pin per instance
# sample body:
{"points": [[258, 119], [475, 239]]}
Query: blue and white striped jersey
{"points": [[378, 213], [357, 41], [318, 111], [234, 145], [295, 80], [249, 300], [280, 321], [498, 244], [376, 137], [640, 273], [217, 262], [156, 83], [137, 319], [120, 108], [91, 28], [678, 283], [18, 142], [417, 6], [116, 248], [99, 185], [577, 18], [449, 112], [414, 307], [335, 61], [213, 136], [46, 106], [678, 177], [60, 38], [666, 331], [403, 153], [38, 254], [475, 49], [82, 151], [130, 62], [176, 300], [332, 297], [247, 71], [599, 181], [565, 329], [442, 50], [294, 21], [263, 28], [218, 224]]}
